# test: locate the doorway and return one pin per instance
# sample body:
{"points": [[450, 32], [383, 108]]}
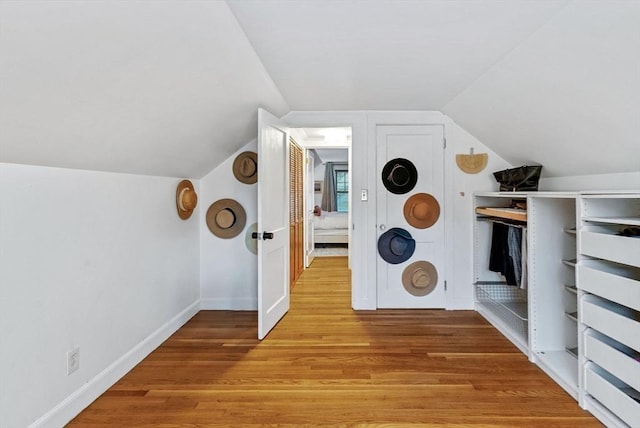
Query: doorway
{"points": [[326, 191]]}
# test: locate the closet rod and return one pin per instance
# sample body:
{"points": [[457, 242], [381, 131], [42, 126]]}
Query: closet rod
{"points": [[497, 220]]}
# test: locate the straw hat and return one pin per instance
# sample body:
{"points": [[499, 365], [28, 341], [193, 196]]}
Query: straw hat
{"points": [[421, 210], [245, 167], [186, 199], [472, 163], [420, 278], [226, 218], [396, 245], [399, 176]]}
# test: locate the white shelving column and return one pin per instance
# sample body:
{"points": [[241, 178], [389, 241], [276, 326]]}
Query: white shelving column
{"points": [[552, 293], [608, 280]]}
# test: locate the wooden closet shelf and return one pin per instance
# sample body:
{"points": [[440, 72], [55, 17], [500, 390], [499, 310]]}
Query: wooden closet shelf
{"points": [[508, 213]]}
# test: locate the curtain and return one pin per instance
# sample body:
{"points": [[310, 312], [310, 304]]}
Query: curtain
{"points": [[329, 185]]}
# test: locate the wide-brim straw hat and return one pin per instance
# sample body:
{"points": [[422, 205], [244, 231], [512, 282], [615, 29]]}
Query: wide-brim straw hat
{"points": [[399, 176], [186, 199], [245, 167], [472, 163], [396, 245], [226, 218], [420, 278], [421, 210]]}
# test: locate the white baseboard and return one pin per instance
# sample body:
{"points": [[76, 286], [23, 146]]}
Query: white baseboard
{"points": [[213, 304], [71, 406]]}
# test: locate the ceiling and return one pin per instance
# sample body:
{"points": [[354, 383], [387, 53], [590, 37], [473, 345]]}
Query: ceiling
{"points": [[383, 54], [172, 88], [165, 88]]}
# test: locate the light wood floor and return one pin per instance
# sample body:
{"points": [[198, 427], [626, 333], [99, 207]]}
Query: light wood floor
{"points": [[327, 365]]}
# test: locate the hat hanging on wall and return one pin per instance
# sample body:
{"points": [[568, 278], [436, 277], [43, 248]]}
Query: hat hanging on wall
{"points": [[396, 245], [399, 176], [249, 241], [472, 163], [420, 278], [245, 167], [226, 218], [421, 210], [186, 199]]}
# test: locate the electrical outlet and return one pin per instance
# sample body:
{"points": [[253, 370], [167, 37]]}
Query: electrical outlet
{"points": [[73, 360], [364, 195]]}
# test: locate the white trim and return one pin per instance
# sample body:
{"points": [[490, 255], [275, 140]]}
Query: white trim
{"points": [[359, 210], [226, 304], [77, 401]]}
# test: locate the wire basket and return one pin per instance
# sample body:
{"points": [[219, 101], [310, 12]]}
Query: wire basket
{"points": [[507, 303]]}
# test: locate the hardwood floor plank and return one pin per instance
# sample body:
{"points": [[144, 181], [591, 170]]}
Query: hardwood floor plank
{"points": [[327, 365]]}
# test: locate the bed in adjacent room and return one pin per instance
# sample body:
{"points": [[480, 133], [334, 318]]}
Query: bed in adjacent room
{"points": [[331, 227]]}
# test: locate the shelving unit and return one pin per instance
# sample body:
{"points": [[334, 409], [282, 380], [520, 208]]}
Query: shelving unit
{"points": [[579, 318], [503, 305], [608, 275]]}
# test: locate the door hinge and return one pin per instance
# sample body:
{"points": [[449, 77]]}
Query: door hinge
{"points": [[444, 142], [445, 285]]}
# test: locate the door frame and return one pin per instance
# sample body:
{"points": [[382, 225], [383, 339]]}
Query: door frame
{"points": [[362, 245], [311, 146]]}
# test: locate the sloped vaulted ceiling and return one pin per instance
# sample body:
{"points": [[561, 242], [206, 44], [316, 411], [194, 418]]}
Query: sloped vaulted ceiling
{"points": [[149, 87], [172, 87], [568, 97], [549, 82]]}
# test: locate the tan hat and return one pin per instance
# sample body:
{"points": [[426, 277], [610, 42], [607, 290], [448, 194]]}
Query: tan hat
{"points": [[226, 218], [186, 199], [472, 163], [245, 167], [421, 210], [420, 278]]}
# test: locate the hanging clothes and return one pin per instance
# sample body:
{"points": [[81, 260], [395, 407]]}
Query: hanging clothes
{"points": [[523, 281], [506, 255]]}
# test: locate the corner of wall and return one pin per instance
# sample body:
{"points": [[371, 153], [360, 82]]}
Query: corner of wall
{"points": [[228, 270]]}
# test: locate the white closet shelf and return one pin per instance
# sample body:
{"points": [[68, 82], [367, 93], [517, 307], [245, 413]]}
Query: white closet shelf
{"points": [[572, 316], [571, 289], [629, 221]]}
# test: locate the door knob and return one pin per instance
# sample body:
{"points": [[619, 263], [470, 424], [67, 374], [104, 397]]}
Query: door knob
{"points": [[383, 227], [267, 235]]}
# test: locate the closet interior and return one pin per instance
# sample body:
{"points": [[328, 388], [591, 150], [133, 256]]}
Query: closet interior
{"points": [[577, 313]]}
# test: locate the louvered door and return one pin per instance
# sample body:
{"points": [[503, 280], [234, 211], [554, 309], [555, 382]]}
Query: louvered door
{"points": [[296, 213]]}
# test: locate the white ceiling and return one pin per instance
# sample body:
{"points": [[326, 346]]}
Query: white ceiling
{"points": [[568, 97], [172, 88], [383, 54], [332, 155], [159, 88]]}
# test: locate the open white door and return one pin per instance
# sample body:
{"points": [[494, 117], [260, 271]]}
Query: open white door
{"points": [[309, 244], [273, 221]]}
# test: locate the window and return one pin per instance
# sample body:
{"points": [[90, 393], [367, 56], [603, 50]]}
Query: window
{"points": [[342, 190]]}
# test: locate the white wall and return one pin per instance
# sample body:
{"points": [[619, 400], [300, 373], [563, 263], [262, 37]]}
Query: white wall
{"points": [[459, 193], [90, 259], [458, 210], [228, 270], [567, 97], [615, 181]]}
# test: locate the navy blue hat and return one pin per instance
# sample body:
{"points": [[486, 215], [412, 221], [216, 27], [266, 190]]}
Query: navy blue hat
{"points": [[399, 176], [396, 245]]}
